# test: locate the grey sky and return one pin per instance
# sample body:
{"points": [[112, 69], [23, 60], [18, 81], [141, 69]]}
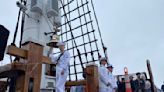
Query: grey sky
{"points": [[132, 30]]}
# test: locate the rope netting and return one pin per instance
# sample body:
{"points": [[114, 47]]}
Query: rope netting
{"points": [[80, 30]]}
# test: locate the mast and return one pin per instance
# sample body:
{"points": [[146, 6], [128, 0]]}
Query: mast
{"points": [[151, 76], [40, 19]]}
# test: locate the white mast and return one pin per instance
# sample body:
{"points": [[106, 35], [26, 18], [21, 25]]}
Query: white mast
{"points": [[41, 15]]}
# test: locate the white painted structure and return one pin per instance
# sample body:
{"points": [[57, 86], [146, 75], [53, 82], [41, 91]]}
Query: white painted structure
{"points": [[40, 17]]}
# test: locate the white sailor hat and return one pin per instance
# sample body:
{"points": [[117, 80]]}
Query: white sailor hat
{"points": [[61, 44], [110, 66], [102, 59]]}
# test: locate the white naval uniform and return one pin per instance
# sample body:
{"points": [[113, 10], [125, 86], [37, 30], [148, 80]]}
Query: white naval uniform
{"points": [[112, 81], [63, 64], [79, 88], [103, 79]]}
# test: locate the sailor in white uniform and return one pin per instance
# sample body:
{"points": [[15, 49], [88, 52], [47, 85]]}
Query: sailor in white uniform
{"points": [[112, 79], [62, 67], [104, 81]]}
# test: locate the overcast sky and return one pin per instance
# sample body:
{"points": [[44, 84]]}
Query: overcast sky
{"points": [[133, 31]]}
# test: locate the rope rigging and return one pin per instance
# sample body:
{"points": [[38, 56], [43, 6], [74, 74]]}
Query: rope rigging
{"points": [[81, 23], [72, 36], [104, 48], [16, 28], [16, 31]]}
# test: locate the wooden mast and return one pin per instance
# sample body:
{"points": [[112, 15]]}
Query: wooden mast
{"points": [[151, 76]]}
